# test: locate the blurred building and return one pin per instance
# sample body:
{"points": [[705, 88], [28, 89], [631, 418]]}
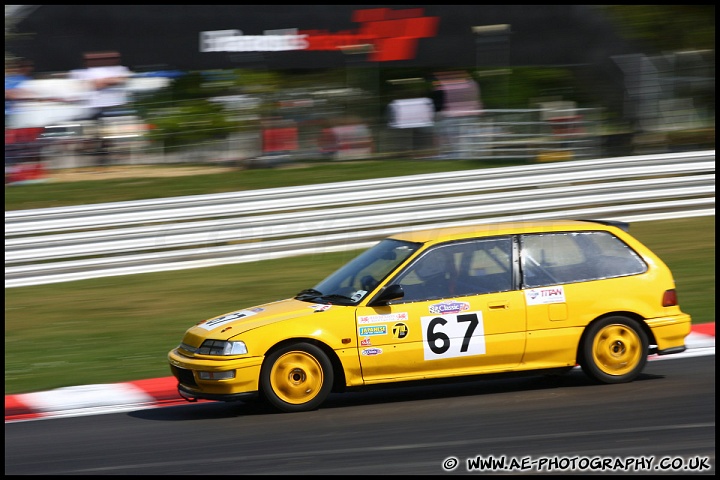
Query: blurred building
{"points": [[196, 37], [384, 54]]}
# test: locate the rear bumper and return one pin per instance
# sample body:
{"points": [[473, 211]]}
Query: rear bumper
{"points": [[669, 351], [670, 333]]}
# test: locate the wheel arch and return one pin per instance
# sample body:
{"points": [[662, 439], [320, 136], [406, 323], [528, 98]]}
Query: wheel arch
{"points": [[620, 313], [339, 381]]}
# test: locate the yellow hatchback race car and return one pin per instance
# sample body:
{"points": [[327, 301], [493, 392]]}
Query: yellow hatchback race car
{"points": [[447, 303]]}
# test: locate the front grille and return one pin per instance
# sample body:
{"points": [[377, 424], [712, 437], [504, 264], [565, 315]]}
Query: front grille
{"points": [[185, 377]]}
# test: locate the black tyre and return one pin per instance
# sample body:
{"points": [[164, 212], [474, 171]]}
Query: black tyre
{"points": [[296, 378], [615, 350]]}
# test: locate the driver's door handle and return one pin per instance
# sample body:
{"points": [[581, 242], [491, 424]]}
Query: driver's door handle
{"points": [[498, 305]]}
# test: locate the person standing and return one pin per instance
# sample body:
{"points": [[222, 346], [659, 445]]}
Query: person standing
{"points": [[19, 72], [23, 160], [415, 114], [437, 96], [461, 105], [105, 80]]}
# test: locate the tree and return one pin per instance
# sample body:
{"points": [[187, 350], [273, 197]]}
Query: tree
{"points": [[666, 27]]}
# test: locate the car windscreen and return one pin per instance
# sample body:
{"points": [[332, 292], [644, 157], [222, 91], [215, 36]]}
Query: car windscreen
{"points": [[361, 275]]}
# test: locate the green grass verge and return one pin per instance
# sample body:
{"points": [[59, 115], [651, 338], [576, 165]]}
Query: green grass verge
{"points": [[57, 194], [120, 328]]}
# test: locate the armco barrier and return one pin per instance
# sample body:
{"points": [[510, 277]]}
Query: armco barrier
{"points": [[89, 241]]}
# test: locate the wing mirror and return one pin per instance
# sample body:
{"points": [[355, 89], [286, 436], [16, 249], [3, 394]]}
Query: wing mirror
{"points": [[386, 295]]}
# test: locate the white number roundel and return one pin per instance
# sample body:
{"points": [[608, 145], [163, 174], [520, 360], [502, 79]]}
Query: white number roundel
{"points": [[453, 335]]}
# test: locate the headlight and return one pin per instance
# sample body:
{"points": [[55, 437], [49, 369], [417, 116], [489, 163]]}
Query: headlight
{"points": [[222, 347]]}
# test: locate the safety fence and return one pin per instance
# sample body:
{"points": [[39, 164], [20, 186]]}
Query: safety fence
{"points": [[90, 241], [540, 134]]}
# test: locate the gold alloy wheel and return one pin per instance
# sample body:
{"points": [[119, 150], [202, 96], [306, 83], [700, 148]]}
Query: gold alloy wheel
{"points": [[296, 377], [617, 349]]}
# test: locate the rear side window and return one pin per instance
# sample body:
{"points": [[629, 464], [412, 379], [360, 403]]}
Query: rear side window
{"points": [[557, 258]]}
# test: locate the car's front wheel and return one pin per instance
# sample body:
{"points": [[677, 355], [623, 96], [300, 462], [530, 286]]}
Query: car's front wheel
{"points": [[296, 378], [614, 350]]}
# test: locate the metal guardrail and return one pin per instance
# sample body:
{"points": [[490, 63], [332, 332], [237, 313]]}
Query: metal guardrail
{"points": [[90, 241]]}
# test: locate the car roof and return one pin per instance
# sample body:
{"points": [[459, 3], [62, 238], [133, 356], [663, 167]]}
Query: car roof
{"points": [[506, 228]]}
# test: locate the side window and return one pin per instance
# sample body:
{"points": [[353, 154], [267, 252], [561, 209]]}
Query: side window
{"points": [[611, 256], [551, 259], [557, 258], [485, 267], [429, 277], [459, 269]]}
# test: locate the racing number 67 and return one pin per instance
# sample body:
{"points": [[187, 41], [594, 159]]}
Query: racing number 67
{"points": [[440, 332]]}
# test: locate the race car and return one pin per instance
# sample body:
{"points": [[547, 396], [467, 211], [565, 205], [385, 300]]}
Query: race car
{"points": [[447, 303]]}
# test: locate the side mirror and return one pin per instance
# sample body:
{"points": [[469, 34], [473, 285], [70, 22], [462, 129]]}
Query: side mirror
{"points": [[386, 295]]}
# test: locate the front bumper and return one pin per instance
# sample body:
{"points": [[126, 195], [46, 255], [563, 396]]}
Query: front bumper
{"points": [[194, 395], [192, 387]]}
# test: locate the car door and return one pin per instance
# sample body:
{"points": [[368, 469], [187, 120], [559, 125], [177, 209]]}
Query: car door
{"points": [[461, 315]]}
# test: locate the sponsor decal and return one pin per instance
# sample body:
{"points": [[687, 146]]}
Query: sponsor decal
{"points": [[257, 309], [449, 307], [386, 35], [321, 307], [391, 317], [371, 351], [400, 330], [373, 330], [358, 295], [230, 317], [365, 342], [235, 41], [545, 295]]}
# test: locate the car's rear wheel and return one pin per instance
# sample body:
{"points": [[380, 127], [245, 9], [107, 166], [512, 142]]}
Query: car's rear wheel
{"points": [[296, 378], [614, 350]]}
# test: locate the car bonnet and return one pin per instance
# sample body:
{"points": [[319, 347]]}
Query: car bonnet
{"points": [[230, 324]]}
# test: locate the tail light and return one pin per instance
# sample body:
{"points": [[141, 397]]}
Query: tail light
{"points": [[669, 298]]}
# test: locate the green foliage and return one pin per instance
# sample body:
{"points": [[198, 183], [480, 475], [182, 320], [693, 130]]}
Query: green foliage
{"points": [[666, 27], [190, 124], [521, 87], [185, 114]]}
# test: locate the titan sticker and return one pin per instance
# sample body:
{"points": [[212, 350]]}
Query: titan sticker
{"points": [[544, 296]]}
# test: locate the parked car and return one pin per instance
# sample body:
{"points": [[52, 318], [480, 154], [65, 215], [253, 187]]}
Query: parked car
{"points": [[443, 303]]}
